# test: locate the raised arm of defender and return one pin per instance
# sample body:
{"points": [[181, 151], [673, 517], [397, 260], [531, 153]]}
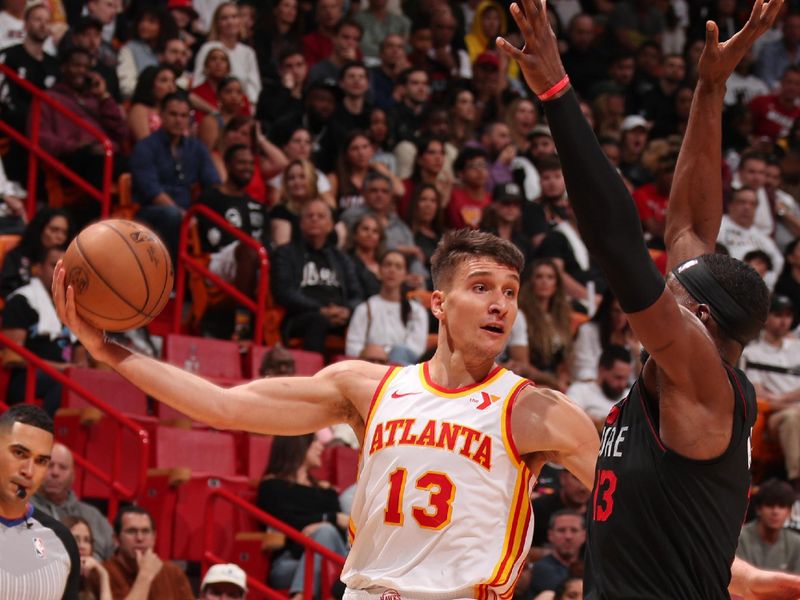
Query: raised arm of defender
{"points": [[284, 406]]}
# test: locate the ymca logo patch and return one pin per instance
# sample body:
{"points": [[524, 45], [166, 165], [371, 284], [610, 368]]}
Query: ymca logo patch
{"points": [[38, 547], [485, 401], [391, 595]]}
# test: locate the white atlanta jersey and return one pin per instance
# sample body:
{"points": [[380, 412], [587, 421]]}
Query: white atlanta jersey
{"points": [[442, 509]]}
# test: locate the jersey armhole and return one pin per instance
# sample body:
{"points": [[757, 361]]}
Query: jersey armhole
{"points": [[508, 407]]}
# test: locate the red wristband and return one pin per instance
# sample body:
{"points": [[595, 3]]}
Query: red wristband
{"points": [[555, 89]]}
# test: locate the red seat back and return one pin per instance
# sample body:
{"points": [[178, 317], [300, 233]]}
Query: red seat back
{"points": [[202, 450], [109, 387], [219, 359]]}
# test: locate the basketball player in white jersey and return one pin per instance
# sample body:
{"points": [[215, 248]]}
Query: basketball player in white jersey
{"points": [[450, 448]]}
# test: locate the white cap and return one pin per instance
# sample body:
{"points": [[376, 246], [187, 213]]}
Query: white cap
{"points": [[227, 573], [633, 121]]}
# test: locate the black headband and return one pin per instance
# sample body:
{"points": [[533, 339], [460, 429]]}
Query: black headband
{"points": [[698, 280]]}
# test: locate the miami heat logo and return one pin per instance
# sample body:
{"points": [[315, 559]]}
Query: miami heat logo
{"points": [[613, 415], [78, 279], [391, 595]]}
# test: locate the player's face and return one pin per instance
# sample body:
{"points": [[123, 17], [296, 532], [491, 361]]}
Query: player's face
{"points": [[25, 454], [83, 537], [136, 533], [479, 306]]}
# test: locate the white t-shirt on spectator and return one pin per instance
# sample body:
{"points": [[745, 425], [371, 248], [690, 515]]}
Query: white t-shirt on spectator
{"points": [[382, 325], [244, 66], [323, 185], [590, 397], [739, 241], [787, 355]]}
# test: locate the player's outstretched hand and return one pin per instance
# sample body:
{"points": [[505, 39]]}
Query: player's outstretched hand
{"points": [[718, 60], [539, 59], [64, 301]]}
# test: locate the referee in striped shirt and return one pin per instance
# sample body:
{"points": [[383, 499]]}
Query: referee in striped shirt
{"points": [[38, 555]]}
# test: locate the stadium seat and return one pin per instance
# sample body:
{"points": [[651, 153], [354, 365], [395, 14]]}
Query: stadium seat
{"points": [[109, 387], [306, 363], [766, 452], [217, 359]]}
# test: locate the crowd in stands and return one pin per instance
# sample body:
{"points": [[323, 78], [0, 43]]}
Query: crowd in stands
{"points": [[347, 137]]}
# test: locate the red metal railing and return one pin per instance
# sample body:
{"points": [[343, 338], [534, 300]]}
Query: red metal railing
{"points": [[311, 547], [192, 263], [31, 143], [112, 479]]}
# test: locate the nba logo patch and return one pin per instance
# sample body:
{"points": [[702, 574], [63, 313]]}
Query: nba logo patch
{"points": [[38, 547]]}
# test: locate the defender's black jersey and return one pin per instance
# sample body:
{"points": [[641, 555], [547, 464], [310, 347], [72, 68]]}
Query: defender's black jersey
{"points": [[662, 525]]}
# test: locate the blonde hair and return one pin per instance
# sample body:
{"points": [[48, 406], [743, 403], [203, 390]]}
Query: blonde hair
{"points": [[213, 31], [310, 173]]}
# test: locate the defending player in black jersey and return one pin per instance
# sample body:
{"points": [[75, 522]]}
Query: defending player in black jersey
{"points": [[672, 477]]}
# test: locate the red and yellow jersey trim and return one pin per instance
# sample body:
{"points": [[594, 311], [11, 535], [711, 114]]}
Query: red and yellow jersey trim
{"points": [[434, 388], [351, 530], [505, 423], [380, 391]]}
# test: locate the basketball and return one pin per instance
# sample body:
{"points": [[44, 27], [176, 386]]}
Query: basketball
{"points": [[121, 273]]}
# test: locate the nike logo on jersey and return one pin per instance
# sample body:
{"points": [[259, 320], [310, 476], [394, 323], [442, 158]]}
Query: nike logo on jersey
{"points": [[396, 394]]}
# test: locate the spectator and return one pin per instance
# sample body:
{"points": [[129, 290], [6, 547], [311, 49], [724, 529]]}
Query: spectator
{"points": [[366, 242], [88, 34], [216, 68], [621, 72], [49, 228], [608, 327], [774, 113], [226, 29], [752, 173], [658, 104], [435, 126], [789, 282], [426, 216], [445, 51], [355, 163], [12, 23], [227, 581], [151, 29], [785, 211], [490, 21], [289, 492], [231, 102], [540, 144], [389, 319], [298, 187], [379, 132], [154, 84], [634, 139], [57, 498], [570, 494], [760, 261], [377, 22], [776, 56], [94, 581], [298, 147], [105, 11], [277, 361], [176, 54], [768, 364], [84, 93], [347, 35], [353, 110], [463, 117], [521, 119], [233, 261], [469, 197], [164, 167], [566, 533], [409, 113], [135, 568], [543, 301], [633, 21], [584, 59], [13, 208], [40, 557], [283, 95], [383, 76], [610, 386], [742, 86], [503, 217], [318, 45], [315, 282], [429, 160], [739, 234], [279, 28], [496, 140], [187, 20], [30, 320], [652, 199], [765, 542]]}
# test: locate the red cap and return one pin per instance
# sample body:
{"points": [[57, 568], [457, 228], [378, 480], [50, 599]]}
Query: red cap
{"points": [[182, 4], [489, 59]]}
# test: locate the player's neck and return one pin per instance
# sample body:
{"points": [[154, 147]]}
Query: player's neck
{"points": [[452, 370]]}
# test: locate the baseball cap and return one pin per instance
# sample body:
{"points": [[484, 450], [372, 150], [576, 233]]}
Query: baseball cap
{"points": [[326, 83], [540, 130], [185, 5], [781, 303], [488, 59], [225, 573], [506, 192], [634, 121]]}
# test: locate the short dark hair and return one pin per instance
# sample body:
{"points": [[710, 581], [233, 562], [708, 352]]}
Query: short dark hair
{"points": [[460, 245], [74, 51], [231, 152], [467, 154], [352, 64], [174, 97], [759, 255], [348, 22], [565, 512], [27, 414], [289, 51], [743, 284], [774, 492], [131, 509], [373, 175], [790, 69], [612, 354], [548, 163], [750, 155], [402, 78]]}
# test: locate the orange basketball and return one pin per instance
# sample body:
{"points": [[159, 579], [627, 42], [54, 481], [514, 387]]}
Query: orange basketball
{"points": [[121, 273]]}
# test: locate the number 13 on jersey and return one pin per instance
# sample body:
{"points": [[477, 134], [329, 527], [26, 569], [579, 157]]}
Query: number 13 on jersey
{"points": [[438, 512]]}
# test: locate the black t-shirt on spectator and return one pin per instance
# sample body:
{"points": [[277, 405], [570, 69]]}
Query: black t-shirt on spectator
{"points": [[320, 280], [41, 73], [275, 102], [534, 221], [243, 212], [18, 314]]}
